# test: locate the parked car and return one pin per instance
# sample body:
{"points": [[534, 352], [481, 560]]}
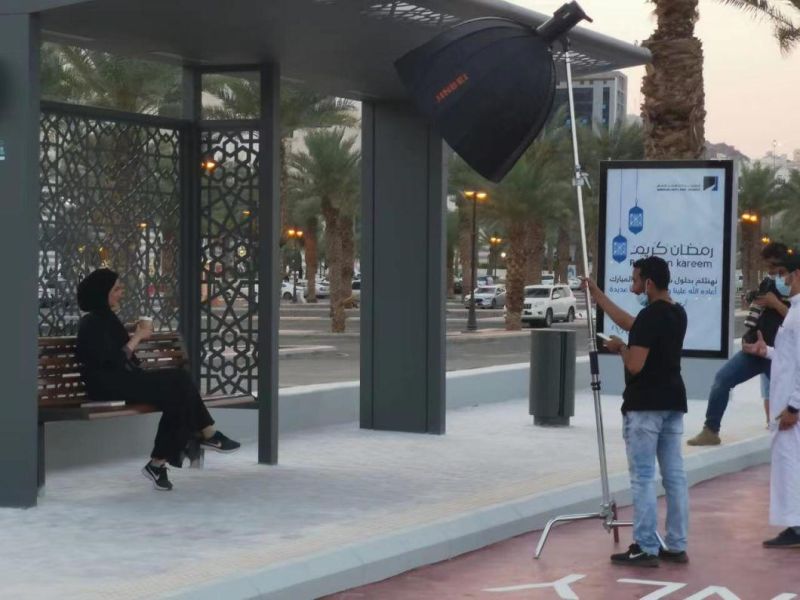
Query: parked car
{"points": [[287, 290], [323, 289], [483, 281], [356, 289], [489, 296], [544, 304], [574, 284], [54, 294], [548, 279]]}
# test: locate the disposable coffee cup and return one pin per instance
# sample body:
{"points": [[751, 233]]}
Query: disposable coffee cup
{"points": [[146, 321]]}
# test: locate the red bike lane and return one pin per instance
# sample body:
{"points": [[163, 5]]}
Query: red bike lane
{"points": [[728, 523]]}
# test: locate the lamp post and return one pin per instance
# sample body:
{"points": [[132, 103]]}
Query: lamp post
{"points": [[294, 234], [475, 197], [494, 242]]}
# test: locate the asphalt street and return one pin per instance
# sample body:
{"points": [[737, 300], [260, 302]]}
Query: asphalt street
{"points": [[337, 356]]}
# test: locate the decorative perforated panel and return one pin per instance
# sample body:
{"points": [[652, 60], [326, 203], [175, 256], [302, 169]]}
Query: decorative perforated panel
{"points": [[229, 240], [109, 197]]}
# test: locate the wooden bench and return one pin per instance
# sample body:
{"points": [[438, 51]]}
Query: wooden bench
{"points": [[62, 394]]}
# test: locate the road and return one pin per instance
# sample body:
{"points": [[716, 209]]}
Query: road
{"points": [[309, 325]]}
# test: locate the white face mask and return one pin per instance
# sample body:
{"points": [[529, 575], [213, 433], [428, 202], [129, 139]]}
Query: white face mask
{"points": [[783, 286], [642, 298]]}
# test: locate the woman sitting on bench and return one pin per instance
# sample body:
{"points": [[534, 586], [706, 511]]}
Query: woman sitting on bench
{"points": [[111, 371]]}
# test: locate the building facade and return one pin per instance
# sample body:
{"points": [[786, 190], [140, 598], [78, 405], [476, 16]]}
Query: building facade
{"points": [[600, 100]]}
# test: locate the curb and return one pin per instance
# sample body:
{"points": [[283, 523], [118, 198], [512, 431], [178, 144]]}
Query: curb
{"points": [[290, 351], [383, 557]]}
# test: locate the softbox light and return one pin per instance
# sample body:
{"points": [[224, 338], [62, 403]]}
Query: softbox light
{"points": [[487, 85]]}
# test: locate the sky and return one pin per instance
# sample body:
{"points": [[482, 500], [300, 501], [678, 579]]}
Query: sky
{"points": [[752, 90]]}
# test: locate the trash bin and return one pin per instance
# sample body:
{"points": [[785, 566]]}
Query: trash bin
{"points": [[552, 386]]}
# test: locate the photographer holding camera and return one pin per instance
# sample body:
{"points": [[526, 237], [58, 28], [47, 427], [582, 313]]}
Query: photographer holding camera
{"points": [[768, 307]]}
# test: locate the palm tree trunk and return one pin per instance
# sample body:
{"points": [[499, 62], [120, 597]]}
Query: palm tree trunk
{"points": [[515, 275], [465, 248], [562, 253], [348, 255], [674, 100], [333, 258], [534, 247], [312, 257]]}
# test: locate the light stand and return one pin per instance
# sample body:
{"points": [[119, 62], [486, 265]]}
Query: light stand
{"points": [[608, 509]]}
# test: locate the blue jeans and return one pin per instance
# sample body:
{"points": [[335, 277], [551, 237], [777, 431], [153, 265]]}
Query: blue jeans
{"points": [[650, 435], [738, 369]]}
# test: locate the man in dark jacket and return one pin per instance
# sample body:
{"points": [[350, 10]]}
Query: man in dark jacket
{"points": [[743, 366]]}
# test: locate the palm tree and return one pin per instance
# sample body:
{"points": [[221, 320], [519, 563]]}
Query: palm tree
{"points": [[300, 108], [329, 170], [462, 178], [452, 244], [674, 99], [787, 229], [523, 201], [762, 194], [621, 142]]}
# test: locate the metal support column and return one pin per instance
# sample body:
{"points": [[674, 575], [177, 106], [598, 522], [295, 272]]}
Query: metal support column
{"points": [[268, 269], [19, 236], [403, 272], [191, 255]]}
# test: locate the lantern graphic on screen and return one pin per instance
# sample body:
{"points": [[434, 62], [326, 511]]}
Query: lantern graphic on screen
{"points": [[636, 214], [619, 245]]}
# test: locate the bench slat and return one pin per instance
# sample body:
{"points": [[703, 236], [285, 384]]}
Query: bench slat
{"points": [[61, 390], [93, 414]]}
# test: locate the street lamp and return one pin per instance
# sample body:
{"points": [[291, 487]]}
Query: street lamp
{"points": [[749, 217], [294, 234], [209, 165], [494, 242], [475, 197]]}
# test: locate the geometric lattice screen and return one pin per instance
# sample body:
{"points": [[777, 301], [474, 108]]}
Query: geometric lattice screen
{"points": [[229, 241], [109, 197]]}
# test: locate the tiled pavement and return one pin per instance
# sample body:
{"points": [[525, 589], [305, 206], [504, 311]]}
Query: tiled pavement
{"points": [[103, 532]]}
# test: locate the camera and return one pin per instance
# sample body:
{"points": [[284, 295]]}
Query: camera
{"points": [[753, 313]]}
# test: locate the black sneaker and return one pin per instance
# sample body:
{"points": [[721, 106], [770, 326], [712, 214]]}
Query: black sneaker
{"points": [[635, 557], [675, 557], [158, 475], [786, 539], [220, 443]]}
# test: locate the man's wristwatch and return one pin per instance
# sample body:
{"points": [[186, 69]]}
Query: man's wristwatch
{"points": [[792, 409]]}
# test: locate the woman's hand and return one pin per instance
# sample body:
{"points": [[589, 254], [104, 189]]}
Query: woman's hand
{"points": [[144, 330]]}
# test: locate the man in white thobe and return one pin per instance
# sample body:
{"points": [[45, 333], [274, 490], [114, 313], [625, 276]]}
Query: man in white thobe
{"points": [[784, 408]]}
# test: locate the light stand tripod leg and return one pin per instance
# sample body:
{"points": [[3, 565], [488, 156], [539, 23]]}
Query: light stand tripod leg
{"points": [[615, 529], [562, 518]]}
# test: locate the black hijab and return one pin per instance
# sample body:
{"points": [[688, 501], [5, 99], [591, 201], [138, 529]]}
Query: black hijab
{"points": [[93, 291]]}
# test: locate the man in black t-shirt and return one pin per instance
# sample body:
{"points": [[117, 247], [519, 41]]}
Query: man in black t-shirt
{"points": [[654, 403]]}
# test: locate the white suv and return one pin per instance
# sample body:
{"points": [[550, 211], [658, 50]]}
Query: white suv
{"points": [[544, 304]]}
